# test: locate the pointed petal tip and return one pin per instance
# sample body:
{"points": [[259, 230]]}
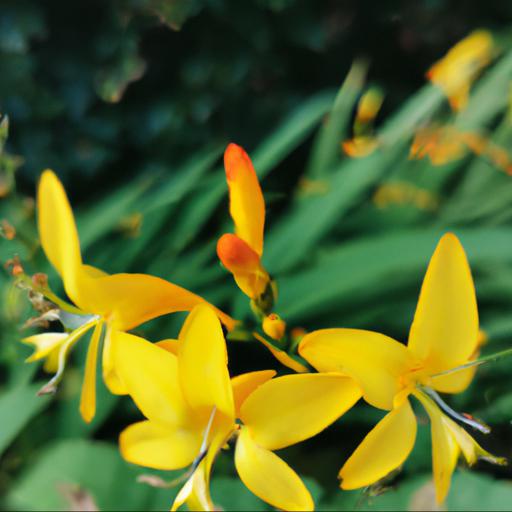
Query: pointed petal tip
{"points": [[235, 158]]}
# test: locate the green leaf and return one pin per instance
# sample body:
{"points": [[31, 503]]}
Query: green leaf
{"points": [[369, 267], [312, 217], [94, 467], [325, 152], [17, 407]]}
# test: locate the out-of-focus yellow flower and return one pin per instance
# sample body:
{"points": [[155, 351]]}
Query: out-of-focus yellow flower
{"points": [[359, 147], [442, 144], [119, 302], [364, 142], [443, 336], [459, 68], [402, 193], [369, 106], [191, 407], [241, 253], [445, 144]]}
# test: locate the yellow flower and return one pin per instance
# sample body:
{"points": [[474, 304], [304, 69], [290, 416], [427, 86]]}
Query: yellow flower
{"points": [[191, 405], [364, 141], [443, 336], [119, 302], [459, 68], [241, 253]]}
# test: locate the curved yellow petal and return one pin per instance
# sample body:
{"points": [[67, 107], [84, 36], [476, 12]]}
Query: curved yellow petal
{"points": [[158, 446], [203, 360], [150, 375], [444, 332], [383, 450], [283, 357], [129, 300], [246, 203], [289, 409], [88, 395], [243, 385], [57, 230], [373, 360], [44, 344], [456, 382], [170, 345], [196, 490], [445, 450], [269, 477]]}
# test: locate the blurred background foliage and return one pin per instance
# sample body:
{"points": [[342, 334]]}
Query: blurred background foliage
{"points": [[132, 102]]}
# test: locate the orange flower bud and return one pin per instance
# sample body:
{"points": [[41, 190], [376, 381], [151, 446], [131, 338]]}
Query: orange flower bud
{"points": [[236, 255], [244, 264], [273, 326]]}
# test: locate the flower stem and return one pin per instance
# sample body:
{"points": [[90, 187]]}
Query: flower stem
{"points": [[476, 362]]}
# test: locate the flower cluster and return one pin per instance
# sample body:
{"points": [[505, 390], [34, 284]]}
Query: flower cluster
{"points": [[194, 408]]}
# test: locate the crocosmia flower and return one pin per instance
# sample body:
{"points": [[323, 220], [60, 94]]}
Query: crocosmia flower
{"points": [[117, 302], [241, 252], [459, 68], [444, 336], [191, 407]]}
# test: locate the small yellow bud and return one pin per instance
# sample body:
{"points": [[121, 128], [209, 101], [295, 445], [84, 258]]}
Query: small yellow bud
{"points": [[273, 326]]}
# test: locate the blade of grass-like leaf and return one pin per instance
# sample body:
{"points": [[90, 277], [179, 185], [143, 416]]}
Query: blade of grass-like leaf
{"points": [[367, 267], [107, 212], [311, 217], [325, 152]]}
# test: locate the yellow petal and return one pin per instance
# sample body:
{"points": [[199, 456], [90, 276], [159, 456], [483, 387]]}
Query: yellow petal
{"points": [[243, 385], [129, 300], [383, 450], [471, 450], [158, 446], [289, 409], [44, 344], [445, 450], [150, 375], [456, 382], [373, 360], [88, 396], [110, 376], [359, 147], [246, 203], [283, 357], [269, 477], [203, 360], [444, 332], [196, 491], [57, 230], [169, 345]]}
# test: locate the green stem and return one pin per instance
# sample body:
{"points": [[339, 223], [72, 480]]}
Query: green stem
{"points": [[476, 362]]}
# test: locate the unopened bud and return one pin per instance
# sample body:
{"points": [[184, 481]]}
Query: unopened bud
{"points": [[236, 255], [273, 326], [40, 280], [7, 229], [14, 267]]}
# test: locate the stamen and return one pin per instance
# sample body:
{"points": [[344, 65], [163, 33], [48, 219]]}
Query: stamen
{"points": [[463, 418]]}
